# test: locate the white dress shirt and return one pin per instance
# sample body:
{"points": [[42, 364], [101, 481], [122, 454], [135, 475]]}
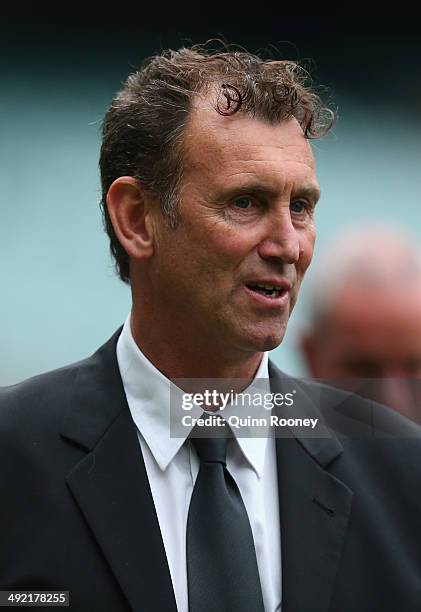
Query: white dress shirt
{"points": [[172, 466]]}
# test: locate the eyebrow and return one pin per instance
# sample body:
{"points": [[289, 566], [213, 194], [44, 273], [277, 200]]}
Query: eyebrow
{"points": [[310, 191]]}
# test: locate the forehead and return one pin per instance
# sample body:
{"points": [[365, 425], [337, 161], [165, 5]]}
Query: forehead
{"points": [[241, 145], [379, 320]]}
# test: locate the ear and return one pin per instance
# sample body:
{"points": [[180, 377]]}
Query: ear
{"points": [[129, 207]]}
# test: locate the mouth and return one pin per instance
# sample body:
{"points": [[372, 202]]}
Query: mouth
{"points": [[272, 294], [270, 291]]}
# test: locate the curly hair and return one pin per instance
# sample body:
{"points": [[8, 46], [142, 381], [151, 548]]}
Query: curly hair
{"points": [[143, 128]]}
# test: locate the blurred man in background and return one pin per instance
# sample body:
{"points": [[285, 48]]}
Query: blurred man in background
{"points": [[365, 318]]}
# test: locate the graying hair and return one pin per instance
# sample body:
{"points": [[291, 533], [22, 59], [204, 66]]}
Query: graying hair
{"points": [[371, 259]]}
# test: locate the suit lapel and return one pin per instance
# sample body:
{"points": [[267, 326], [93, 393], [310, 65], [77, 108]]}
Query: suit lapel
{"points": [[111, 488], [110, 484], [314, 510]]}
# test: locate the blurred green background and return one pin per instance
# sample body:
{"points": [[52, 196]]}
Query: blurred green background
{"points": [[60, 298]]}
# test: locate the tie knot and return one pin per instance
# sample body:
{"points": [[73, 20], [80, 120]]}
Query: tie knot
{"points": [[211, 449]]}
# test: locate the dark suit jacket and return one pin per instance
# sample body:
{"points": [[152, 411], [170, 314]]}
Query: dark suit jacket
{"points": [[76, 510]]}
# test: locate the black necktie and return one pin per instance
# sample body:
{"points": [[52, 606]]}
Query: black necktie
{"points": [[222, 571]]}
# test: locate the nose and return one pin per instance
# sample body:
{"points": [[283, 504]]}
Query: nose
{"points": [[281, 240]]}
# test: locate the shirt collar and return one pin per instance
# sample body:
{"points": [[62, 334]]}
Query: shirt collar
{"points": [[148, 396]]}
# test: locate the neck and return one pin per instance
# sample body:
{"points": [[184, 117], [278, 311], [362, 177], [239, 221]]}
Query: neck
{"points": [[179, 354]]}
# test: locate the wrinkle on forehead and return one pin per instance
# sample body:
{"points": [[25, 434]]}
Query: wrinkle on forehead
{"points": [[211, 140]]}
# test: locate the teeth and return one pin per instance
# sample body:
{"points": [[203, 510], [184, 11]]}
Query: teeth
{"points": [[269, 287], [268, 290]]}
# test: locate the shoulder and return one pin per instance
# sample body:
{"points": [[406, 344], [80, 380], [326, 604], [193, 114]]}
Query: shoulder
{"points": [[367, 431], [381, 448], [44, 398], [33, 409], [49, 421], [346, 412], [32, 413], [350, 414]]}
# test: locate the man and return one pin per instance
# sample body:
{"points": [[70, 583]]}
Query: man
{"points": [[209, 191], [365, 318]]}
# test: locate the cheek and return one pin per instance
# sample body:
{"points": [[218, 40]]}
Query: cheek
{"points": [[227, 247]]}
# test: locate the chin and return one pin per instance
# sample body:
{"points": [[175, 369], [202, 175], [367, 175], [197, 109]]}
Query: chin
{"points": [[263, 342], [271, 343]]}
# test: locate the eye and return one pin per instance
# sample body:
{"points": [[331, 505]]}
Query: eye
{"points": [[298, 207], [245, 202]]}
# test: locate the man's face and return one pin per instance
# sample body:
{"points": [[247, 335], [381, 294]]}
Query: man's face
{"points": [[246, 221], [373, 334]]}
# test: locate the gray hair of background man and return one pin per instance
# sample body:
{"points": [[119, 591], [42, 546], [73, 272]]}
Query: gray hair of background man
{"points": [[374, 259], [143, 128]]}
